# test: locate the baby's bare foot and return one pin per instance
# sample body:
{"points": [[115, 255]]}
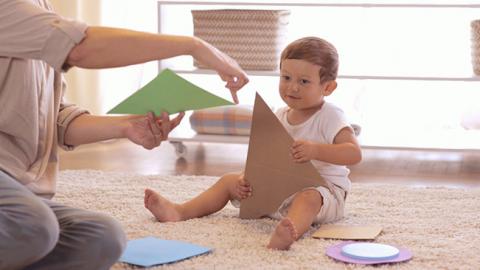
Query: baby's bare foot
{"points": [[163, 209], [283, 236]]}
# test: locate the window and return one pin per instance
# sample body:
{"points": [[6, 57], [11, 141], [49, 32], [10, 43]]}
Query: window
{"points": [[405, 68]]}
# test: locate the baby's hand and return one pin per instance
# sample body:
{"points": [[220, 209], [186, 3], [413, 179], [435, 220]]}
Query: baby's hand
{"points": [[243, 189], [303, 151]]}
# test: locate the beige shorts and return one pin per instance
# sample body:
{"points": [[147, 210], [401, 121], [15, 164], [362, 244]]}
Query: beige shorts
{"points": [[332, 208]]}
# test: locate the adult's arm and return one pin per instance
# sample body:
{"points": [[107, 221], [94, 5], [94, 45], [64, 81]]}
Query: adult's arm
{"points": [[148, 131], [105, 47], [30, 31]]}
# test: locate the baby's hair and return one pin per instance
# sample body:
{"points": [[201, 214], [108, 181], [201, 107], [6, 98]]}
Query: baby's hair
{"points": [[316, 51]]}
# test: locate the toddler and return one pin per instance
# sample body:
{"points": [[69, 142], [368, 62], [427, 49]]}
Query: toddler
{"points": [[322, 135]]}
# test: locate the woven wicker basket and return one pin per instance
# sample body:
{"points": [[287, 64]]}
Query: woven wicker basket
{"points": [[254, 38], [475, 36]]}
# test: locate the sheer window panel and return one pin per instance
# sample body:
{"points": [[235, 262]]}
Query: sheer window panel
{"points": [[116, 84], [371, 41], [377, 41], [417, 114]]}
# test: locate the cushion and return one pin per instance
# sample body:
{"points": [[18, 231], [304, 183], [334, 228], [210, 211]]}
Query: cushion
{"points": [[229, 120], [223, 120]]}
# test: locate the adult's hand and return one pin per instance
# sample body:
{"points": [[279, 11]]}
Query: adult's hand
{"points": [[149, 131], [226, 67]]}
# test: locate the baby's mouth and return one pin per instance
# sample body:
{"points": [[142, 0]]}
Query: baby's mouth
{"points": [[292, 97]]}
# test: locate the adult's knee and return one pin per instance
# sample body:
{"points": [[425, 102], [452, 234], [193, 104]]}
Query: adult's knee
{"points": [[30, 232], [114, 239], [107, 243]]}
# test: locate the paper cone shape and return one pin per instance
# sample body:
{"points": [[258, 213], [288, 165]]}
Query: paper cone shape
{"points": [[270, 170], [168, 92]]}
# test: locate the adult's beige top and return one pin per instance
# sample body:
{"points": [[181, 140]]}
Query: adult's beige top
{"points": [[34, 44]]}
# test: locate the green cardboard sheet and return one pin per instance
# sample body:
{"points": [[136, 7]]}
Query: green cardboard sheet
{"points": [[168, 92]]}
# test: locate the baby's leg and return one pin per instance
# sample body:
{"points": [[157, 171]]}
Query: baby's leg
{"points": [[301, 213], [207, 202]]}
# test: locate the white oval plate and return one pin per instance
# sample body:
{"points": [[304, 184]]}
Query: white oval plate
{"points": [[370, 251]]}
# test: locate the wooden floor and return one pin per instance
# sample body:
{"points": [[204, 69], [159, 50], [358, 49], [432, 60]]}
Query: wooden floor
{"points": [[427, 168]]}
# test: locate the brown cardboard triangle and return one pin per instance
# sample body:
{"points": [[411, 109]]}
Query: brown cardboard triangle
{"points": [[347, 232], [270, 169]]}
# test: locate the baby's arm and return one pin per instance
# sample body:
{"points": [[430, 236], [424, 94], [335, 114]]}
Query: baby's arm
{"points": [[345, 149]]}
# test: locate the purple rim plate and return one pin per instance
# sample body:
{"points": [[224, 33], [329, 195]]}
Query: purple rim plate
{"points": [[335, 252]]}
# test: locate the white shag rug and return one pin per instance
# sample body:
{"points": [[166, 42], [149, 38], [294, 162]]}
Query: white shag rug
{"points": [[441, 226]]}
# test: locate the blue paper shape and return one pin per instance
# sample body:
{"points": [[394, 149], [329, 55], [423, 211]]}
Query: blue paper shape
{"points": [[150, 251]]}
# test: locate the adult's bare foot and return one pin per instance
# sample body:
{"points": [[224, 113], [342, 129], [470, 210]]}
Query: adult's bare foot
{"points": [[163, 209], [283, 236]]}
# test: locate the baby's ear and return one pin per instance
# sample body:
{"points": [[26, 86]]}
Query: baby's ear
{"points": [[330, 86]]}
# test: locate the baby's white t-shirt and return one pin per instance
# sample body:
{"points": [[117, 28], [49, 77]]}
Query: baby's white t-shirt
{"points": [[322, 127]]}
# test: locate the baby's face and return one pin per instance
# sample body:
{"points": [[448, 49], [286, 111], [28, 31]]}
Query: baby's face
{"points": [[300, 86]]}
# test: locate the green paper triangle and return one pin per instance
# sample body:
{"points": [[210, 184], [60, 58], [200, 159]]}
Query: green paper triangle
{"points": [[168, 92]]}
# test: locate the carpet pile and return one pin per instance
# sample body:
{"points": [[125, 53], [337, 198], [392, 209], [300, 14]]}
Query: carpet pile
{"points": [[440, 225]]}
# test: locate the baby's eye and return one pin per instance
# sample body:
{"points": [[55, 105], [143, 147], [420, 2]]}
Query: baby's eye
{"points": [[304, 81], [285, 77]]}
